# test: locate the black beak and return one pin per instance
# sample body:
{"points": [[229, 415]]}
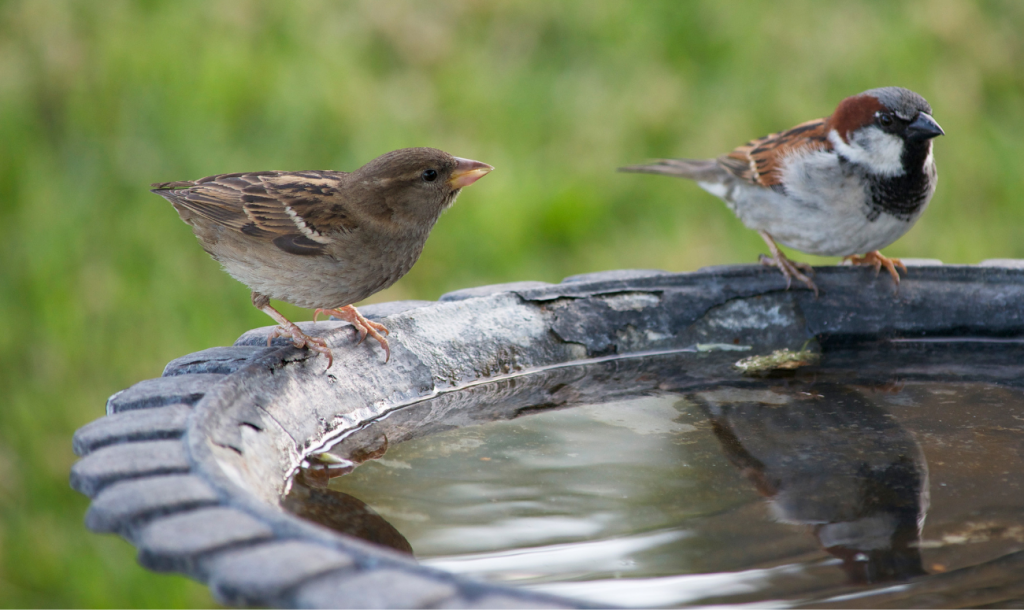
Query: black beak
{"points": [[924, 127]]}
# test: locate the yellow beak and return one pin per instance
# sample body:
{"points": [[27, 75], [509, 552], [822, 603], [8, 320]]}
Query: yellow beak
{"points": [[467, 172]]}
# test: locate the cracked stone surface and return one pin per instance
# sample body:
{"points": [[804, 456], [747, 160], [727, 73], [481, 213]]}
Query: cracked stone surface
{"points": [[191, 467]]}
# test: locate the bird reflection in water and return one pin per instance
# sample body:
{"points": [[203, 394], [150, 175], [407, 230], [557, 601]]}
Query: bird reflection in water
{"points": [[343, 513], [826, 457], [311, 499]]}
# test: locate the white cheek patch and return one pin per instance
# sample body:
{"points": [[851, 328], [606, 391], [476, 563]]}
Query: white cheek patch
{"points": [[873, 148]]}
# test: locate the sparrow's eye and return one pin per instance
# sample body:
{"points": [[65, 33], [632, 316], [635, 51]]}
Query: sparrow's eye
{"points": [[430, 175], [885, 119]]}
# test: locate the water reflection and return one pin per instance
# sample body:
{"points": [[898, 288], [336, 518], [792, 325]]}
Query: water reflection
{"points": [[344, 513], [828, 458], [822, 454], [641, 483]]}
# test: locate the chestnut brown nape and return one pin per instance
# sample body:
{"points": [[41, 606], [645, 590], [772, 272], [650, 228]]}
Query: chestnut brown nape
{"points": [[854, 113]]}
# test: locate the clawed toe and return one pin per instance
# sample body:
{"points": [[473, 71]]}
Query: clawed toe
{"points": [[790, 270], [301, 340], [377, 326], [803, 266], [288, 329], [363, 326], [368, 327], [877, 260]]}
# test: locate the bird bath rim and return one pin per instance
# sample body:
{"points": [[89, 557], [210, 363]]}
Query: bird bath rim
{"points": [[190, 467]]}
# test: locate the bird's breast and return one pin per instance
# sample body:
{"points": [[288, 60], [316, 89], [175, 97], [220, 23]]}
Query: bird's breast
{"points": [[826, 208]]}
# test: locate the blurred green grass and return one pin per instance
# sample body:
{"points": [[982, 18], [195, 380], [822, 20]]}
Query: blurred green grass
{"points": [[101, 284]]}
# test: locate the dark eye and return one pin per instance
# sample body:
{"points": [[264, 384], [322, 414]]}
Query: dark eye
{"points": [[885, 119], [430, 175]]}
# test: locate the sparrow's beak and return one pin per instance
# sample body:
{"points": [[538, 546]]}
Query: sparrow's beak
{"points": [[924, 127], [467, 172]]}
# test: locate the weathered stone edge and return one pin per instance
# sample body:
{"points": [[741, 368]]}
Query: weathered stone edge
{"points": [[120, 453]]}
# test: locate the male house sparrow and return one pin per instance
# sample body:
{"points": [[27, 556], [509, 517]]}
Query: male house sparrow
{"points": [[323, 239], [850, 183]]}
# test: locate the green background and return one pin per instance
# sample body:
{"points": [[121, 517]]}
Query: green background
{"points": [[101, 284]]}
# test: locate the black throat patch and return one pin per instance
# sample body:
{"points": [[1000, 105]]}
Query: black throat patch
{"points": [[902, 196]]}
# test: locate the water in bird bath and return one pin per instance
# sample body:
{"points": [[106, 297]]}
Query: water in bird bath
{"points": [[644, 482]]}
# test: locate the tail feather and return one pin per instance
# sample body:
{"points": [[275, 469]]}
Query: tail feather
{"points": [[702, 170], [160, 186]]}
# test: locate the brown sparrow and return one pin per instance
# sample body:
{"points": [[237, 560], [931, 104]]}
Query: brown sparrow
{"points": [[850, 183], [323, 239]]}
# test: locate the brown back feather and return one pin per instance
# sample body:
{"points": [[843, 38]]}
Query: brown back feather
{"points": [[759, 162], [258, 203]]}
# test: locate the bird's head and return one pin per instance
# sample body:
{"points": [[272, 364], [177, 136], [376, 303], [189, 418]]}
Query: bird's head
{"points": [[886, 130], [417, 184]]}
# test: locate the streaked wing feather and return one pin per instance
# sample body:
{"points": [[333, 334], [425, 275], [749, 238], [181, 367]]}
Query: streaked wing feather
{"points": [[294, 210], [315, 197], [760, 161]]}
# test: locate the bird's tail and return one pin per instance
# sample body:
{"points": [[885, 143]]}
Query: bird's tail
{"points": [[701, 170], [162, 186]]}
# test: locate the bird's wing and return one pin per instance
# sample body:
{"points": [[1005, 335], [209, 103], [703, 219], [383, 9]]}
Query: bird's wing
{"points": [[760, 162], [294, 210]]}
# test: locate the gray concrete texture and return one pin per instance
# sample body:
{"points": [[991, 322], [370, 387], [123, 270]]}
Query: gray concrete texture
{"points": [[191, 467]]}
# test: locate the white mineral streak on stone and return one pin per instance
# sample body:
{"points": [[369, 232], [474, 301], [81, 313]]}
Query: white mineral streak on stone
{"points": [[744, 314], [228, 465], [653, 335], [722, 347], [505, 319], [446, 336], [632, 301]]}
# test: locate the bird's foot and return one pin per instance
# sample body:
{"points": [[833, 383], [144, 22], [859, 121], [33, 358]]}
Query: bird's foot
{"points": [[288, 329], [790, 269], [877, 260], [301, 340], [365, 327]]}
